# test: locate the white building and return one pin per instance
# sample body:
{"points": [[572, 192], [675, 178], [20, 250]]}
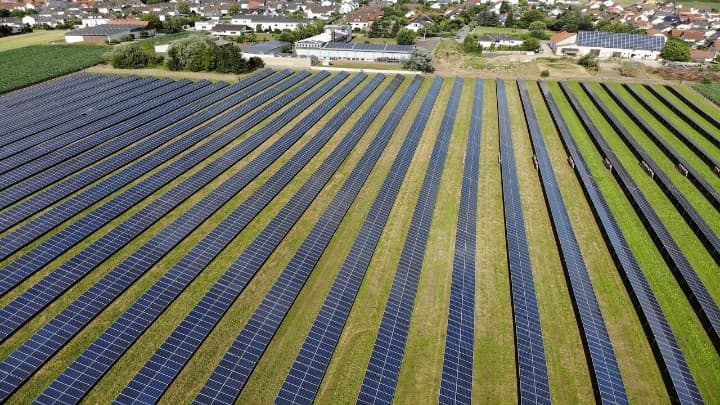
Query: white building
{"points": [[608, 45], [358, 52], [266, 22]]}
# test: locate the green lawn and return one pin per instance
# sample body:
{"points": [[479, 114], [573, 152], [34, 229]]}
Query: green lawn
{"points": [[31, 64], [711, 91], [32, 38]]}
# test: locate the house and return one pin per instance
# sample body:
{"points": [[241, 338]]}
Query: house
{"points": [[222, 30], [693, 36], [205, 25], [362, 18], [486, 41], [269, 22], [608, 45], [702, 55], [358, 52], [419, 23], [15, 24], [115, 31]]}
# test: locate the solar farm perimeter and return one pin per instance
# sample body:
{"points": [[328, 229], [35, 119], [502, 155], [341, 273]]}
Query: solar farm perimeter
{"points": [[300, 237]]}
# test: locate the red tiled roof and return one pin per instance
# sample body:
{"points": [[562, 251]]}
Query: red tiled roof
{"points": [[676, 32], [698, 54], [653, 31], [693, 35], [561, 36]]}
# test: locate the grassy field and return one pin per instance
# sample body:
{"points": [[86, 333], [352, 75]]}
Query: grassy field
{"points": [[32, 38], [32, 64], [494, 377], [711, 91]]}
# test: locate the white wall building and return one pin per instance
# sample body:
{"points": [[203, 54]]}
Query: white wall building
{"points": [[609, 45], [269, 22]]}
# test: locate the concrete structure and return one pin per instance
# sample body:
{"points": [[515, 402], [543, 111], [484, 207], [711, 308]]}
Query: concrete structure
{"points": [[358, 52], [499, 40], [608, 45]]}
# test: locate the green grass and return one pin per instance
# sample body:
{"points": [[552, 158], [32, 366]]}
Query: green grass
{"points": [[32, 38], [160, 39], [711, 91], [31, 64]]}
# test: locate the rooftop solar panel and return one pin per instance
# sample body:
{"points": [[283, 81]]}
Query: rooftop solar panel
{"points": [[620, 40]]}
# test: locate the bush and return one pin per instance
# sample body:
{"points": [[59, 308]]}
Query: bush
{"points": [[676, 50], [202, 54], [545, 73], [134, 56], [405, 37], [420, 60], [590, 62]]}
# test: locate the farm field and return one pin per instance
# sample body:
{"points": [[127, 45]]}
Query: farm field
{"points": [[335, 237], [35, 63], [32, 38]]}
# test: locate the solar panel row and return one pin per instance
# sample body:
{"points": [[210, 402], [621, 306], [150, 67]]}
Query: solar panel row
{"points": [[703, 303], [12, 100], [40, 157], [533, 386], [38, 226], [58, 126], [69, 105], [224, 385], [710, 135], [73, 158], [306, 373], [672, 126], [682, 386], [162, 368], [709, 116], [603, 362], [131, 324], [696, 222], [49, 339], [456, 383], [163, 129], [39, 295], [382, 372], [699, 180]]}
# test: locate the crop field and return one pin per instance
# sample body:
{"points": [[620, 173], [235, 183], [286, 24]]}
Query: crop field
{"points": [[31, 64], [302, 237]]}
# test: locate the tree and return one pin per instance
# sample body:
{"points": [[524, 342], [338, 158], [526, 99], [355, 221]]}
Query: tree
{"points": [[133, 56], [572, 21], [470, 44], [420, 60], [531, 16], [676, 50], [531, 44], [509, 20], [590, 62], [537, 29], [405, 37], [183, 8], [234, 9]]}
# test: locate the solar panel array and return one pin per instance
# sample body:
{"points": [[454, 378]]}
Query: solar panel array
{"points": [[232, 373], [457, 372], [709, 134], [533, 386], [699, 180], [672, 126], [163, 130], [157, 373], [688, 212], [620, 40], [604, 368], [369, 47], [309, 367], [709, 116], [101, 294], [382, 372], [703, 303], [668, 353]]}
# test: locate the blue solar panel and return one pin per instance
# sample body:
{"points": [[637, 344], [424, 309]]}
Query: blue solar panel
{"points": [[227, 380], [710, 116], [696, 222], [15, 101], [133, 322], [673, 127], [703, 303], [456, 384], [382, 373], [666, 348], [532, 374], [620, 40], [152, 380], [603, 362], [312, 361], [699, 180]]}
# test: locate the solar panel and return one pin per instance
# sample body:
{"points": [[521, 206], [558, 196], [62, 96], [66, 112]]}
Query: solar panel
{"points": [[162, 368], [709, 116], [133, 322], [382, 372], [697, 179], [706, 308], [620, 40], [532, 374], [605, 371], [696, 222], [667, 350], [456, 384], [311, 363]]}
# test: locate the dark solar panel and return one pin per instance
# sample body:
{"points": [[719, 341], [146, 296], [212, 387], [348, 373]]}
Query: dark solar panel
{"points": [[158, 372], [704, 305], [456, 384], [620, 40], [605, 371], [382, 373], [710, 116], [133, 322], [312, 361], [667, 350], [533, 386]]}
